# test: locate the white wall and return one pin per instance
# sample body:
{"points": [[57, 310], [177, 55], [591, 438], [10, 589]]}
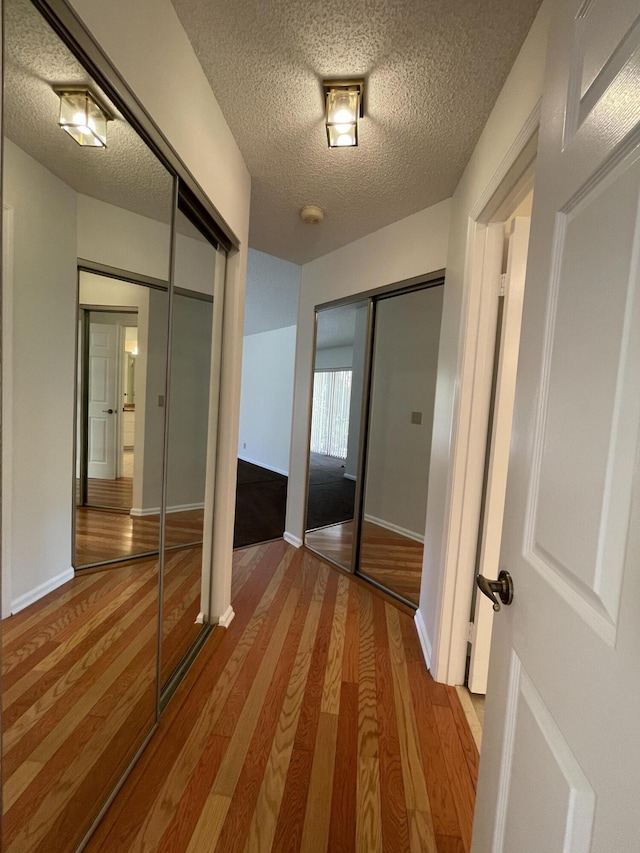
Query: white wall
{"points": [[189, 402], [106, 236], [43, 355], [411, 247], [267, 398], [159, 65], [515, 104], [268, 361], [405, 365]]}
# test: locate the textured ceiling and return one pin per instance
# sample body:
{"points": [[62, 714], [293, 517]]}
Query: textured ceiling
{"points": [[126, 174], [433, 70], [337, 326]]}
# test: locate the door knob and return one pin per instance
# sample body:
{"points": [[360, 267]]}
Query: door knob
{"points": [[498, 591], [110, 411]]}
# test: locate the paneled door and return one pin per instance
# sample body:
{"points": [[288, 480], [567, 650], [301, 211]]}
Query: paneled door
{"points": [[103, 401], [560, 769]]}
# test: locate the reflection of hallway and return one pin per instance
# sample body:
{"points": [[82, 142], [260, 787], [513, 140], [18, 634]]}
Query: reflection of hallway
{"points": [[114, 494], [331, 494], [390, 559], [78, 676]]}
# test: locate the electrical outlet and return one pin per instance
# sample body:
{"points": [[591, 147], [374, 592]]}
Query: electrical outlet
{"points": [[160, 400], [244, 445], [416, 417]]}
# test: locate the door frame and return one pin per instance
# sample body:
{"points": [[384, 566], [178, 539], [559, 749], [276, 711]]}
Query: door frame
{"points": [[447, 658]]}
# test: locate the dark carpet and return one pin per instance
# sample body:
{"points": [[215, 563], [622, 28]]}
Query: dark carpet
{"points": [[331, 494], [261, 499]]}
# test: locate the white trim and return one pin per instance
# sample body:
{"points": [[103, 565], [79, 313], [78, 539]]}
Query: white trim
{"points": [[139, 512], [227, 617], [199, 620], [41, 590], [263, 465], [467, 451], [292, 540], [7, 405], [350, 477], [389, 525], [425, 642]]}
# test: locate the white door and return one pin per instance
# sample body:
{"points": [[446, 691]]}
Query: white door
{"points": [[560, 767], [103, 405], [507, 365]]}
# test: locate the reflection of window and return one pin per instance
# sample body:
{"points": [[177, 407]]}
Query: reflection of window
{"points": [[330, 418]]}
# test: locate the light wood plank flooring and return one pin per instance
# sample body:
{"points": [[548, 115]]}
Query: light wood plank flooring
{"points": [[79, 692], [310, 724], [103, 535], [388, 558]]}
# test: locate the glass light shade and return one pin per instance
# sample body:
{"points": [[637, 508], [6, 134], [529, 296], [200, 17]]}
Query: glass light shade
{"points": [[343, 107], [83, 119]]}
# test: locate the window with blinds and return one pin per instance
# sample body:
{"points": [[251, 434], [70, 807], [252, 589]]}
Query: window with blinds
{"points": [[330, 419]]}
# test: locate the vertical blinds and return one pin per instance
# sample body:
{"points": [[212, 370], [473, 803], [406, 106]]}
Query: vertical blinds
{"points": [[330, 419]]}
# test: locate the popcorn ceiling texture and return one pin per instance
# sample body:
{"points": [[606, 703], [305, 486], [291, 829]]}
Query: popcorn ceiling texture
{"points": [[126, 174], [433, 71]]}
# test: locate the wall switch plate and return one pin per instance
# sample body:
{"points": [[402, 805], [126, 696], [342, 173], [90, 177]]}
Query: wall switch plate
{"points": [[160, 400], [416, 417]]}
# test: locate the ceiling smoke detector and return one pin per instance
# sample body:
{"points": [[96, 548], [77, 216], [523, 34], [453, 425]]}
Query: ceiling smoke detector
{"points": [[312, 214]]}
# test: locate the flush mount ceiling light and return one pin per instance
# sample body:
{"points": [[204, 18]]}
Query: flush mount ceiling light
{"points": [[82, 116], [343, 108]]}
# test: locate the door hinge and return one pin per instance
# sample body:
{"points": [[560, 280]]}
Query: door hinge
{"points": [[502, 284], [470, 632]]}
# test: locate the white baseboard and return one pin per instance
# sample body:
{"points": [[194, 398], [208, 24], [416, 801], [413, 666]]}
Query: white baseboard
{"points": [[200, 618], [389, 525], [227, 617], [140, 512], [292, 540], [263, 465], [425, 642], [41, 590], [350, 477]]}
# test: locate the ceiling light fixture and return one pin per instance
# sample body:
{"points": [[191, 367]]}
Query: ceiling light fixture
{"points": [[82, 116], [343, 108]]}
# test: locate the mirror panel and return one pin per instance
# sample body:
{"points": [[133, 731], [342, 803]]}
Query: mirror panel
{"points": [[339, 364], [119, 444], [191, 418], [403, 380], [79, 647]]}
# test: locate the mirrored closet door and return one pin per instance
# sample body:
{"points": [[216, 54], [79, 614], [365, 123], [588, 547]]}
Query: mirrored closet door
{"points": [[111, 356], [373, 396]]}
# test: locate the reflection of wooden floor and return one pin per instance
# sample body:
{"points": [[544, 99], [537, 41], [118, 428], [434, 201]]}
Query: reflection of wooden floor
{"points": [[103, 535], [79, 693], [385, 557], [111, 493], [311, 725]]}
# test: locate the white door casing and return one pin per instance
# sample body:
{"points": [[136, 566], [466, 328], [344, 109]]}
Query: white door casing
{"points": [[507, 365], [560, 769], [103, 401]]}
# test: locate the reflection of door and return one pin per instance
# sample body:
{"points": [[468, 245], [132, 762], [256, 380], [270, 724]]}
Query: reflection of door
{"points": [[102, 413], [561, 752]]}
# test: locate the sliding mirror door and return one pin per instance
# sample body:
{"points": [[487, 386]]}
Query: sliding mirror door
{"points": [[195, 351], [403, 380], [334, 448], [79, 648]]}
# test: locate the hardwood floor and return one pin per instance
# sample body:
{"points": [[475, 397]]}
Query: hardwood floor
{"points": [[310, 724], [390, 559], [110, 493], [79, 693], [102, 535]]}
